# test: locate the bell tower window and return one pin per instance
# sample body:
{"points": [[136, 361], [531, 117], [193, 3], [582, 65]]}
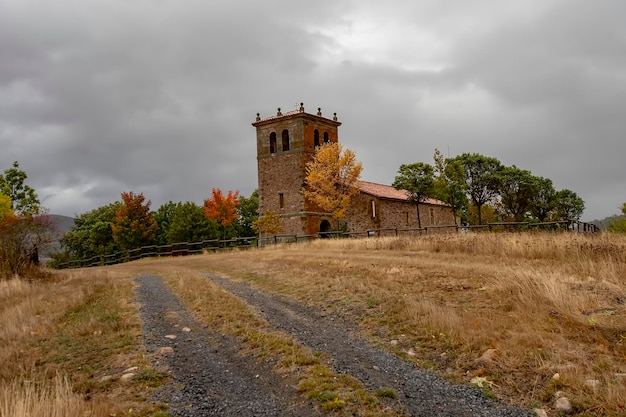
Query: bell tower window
{"points": [[316, 138], [273, 142], [325, 137], [285, 140]]}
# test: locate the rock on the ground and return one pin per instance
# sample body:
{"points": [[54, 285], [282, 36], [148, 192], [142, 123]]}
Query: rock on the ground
{"points": [[127, 376], [563, 405], [165, 350], [487, 358]]}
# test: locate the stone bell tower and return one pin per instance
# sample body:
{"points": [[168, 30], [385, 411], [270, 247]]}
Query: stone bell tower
{"points": [[285, 143]]}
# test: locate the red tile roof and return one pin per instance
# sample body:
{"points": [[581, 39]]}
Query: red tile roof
{"points": [[387, 191]]}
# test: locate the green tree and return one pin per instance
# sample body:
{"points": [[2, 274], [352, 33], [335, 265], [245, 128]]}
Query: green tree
{"points": [[545, 199], [163, 217], [618, 225], [418, 179], [450, 184], [23, 198], [568, 205], [332, 179], [518, 189], [248, 214], [134, 225], [189, 224], [92, 234], [481, 175], [488, 214]]}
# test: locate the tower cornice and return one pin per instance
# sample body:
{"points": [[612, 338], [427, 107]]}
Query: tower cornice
{"points": [[300, 113]]}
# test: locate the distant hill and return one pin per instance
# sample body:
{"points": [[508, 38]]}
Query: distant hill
{"points": [[604, 222], [61, 223]]}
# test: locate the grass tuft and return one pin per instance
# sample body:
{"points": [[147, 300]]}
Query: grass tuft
{"points": [[386, 392]]}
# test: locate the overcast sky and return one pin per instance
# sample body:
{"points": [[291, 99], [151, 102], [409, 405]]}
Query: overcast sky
{"points": [[157, 96]]}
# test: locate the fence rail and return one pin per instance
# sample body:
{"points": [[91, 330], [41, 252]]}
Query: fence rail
{"points": [[189, 248]]}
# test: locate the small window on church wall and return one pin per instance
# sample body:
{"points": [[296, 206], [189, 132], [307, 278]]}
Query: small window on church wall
{"points": [[325, 137], [316, 138], [273, 142], [407, 218], [281, 200], [285, 140], [432, 216], [373, 209]]}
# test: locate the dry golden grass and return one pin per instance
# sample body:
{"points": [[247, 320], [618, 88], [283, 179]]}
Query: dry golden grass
{"points": [[548, 303], [58, 338], [46, 398]]}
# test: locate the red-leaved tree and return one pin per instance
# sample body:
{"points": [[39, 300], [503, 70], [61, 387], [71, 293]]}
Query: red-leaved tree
{"points": [[222, 208], [134, 225]]}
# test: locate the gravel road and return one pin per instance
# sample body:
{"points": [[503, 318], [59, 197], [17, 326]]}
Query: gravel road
{"points": [[211, 379]]}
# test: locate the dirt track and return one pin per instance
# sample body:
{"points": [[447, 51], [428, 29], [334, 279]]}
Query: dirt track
{"points": [[210, 377]]}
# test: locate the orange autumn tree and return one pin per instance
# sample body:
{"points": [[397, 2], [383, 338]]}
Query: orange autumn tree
{"points": [[332, 179], [222, 208], [134, 226]]}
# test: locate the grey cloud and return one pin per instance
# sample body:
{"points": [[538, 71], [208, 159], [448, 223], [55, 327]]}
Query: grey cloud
{"points": [[158, 96]]}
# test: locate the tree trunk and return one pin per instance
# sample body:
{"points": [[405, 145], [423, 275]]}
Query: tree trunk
{"points": [[419, 221]]}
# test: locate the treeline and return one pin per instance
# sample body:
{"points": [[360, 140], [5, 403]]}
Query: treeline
{"points": [[130, 224], [124, 225], [481, 189]]}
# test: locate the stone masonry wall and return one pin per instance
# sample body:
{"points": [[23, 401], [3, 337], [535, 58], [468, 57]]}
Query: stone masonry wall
{"points": [[394, 214]]}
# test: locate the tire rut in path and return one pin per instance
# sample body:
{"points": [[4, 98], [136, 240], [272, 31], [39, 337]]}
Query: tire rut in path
{"points": [[420, 393], [210, 377]]}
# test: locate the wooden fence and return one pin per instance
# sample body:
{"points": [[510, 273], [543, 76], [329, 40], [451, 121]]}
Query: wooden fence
{"points": [[189, 248]]}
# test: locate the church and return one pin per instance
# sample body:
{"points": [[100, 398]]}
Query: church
{"points": [[286, 142]]}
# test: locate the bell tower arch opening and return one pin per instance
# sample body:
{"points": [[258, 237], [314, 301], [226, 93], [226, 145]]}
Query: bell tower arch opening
{"points": [[273, 142], [285, 136]]}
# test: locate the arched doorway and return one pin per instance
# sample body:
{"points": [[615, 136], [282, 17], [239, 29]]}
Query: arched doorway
{"points": [[324, 228]]}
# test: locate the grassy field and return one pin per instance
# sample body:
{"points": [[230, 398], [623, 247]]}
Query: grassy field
{"points": [[527, 314]]}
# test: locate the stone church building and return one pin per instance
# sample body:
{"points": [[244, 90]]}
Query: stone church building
{"points": [[286, 142]]}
